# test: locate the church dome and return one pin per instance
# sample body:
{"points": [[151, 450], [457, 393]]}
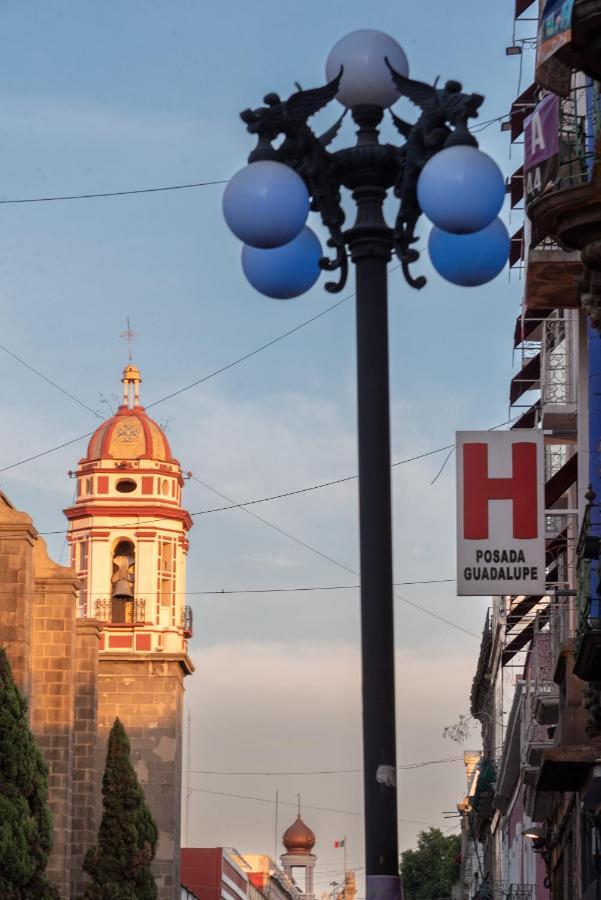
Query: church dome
{"points": [[298, 838], [130, 433]]}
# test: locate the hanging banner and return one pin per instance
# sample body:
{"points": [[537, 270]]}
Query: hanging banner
{"points": [[554, 28], [541, 147], [500, 513]]}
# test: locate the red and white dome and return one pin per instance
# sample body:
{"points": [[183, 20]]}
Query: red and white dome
{"points": [[131, 433]]}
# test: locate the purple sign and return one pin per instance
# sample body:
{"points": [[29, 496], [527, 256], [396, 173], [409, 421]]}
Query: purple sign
{"points": [[541, 147]]}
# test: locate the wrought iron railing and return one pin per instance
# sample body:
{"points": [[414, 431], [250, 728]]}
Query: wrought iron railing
{"points": [[121, 612], [557, 379], [188, 621]]}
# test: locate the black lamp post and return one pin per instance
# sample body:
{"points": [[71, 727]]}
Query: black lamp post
{"points": [[369, 169]]}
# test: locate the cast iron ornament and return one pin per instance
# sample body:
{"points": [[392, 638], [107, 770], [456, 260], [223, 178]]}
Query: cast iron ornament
{"points": [[368, 164]]}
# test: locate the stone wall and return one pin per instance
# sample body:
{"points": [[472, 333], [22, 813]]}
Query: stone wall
{"points": [[146, 692], [17, 537], [85, 750], [52, 698]]}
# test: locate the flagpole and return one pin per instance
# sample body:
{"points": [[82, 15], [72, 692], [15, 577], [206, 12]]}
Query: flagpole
{"points": [[345, 867]]}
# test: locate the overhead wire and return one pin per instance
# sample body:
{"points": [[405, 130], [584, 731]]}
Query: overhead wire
{"points": [[271, 801], [415, 765], [332, 559], [90, 196]]}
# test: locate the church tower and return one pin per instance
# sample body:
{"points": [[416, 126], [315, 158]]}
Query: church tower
{"points": [[128, 539], [299, 861]]}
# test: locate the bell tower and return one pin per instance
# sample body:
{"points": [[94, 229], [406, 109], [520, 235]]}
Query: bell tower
{"points": [[128, 539]]}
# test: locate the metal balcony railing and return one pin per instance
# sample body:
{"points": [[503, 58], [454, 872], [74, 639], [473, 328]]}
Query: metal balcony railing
{"points": [[114, 611], [188, 621], [558, 386]]}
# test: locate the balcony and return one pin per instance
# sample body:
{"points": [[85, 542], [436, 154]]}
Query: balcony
{"points": [[551, 274], [568, 210], [586, 36], [188, 621], [117, 611]]}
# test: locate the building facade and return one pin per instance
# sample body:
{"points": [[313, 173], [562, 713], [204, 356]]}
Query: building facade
{"points": [[106, 637], [532, 815]]}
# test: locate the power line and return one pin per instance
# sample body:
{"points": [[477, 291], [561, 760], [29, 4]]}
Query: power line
{"points": [[305, 490], [153, 190], [50, 381], [415, 765], [213, 374], [222, 592], [331, 559], [270, 800]]}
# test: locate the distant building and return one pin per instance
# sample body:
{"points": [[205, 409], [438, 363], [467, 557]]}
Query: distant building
{"points": [[218, 873]]}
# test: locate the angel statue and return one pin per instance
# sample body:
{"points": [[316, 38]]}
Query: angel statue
{"points": [[440, 108], [305, 152]]}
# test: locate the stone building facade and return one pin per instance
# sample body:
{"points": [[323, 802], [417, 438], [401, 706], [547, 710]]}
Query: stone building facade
{"points": [[106, 637]]}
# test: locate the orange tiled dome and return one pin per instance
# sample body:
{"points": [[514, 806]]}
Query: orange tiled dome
{"points": [[130, 433], [298, 838]]}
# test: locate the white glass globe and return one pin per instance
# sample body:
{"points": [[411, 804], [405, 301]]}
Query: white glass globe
{"points": [[366, 78]]}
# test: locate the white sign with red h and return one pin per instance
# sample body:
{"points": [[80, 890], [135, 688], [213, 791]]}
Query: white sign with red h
{"points": [[500, 512]]}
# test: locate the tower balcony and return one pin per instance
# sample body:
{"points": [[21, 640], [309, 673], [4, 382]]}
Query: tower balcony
{"points": [[119, 611], [188, 621], [130, 626]]}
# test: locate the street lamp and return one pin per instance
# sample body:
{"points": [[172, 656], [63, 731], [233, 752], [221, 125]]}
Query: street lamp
{"points": [[462, 192]]}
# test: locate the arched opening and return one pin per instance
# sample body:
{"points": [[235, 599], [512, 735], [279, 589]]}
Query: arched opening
{"points": [[122, 583]]}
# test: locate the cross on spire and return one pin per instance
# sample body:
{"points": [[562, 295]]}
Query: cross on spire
{"points": [[129, 335]]}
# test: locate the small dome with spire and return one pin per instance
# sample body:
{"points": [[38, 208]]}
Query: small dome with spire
{"points": [[298, 838], [130, 433]]}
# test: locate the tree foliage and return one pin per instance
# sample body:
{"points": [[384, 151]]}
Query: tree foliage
{"points": [[25, 820], [119, 864], [430, 871]]}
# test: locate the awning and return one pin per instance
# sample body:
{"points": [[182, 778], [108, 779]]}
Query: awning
{"points": [[516, 251], [525, 380], [561, 481], [528, 418], [521, 107], [525, 636], [527, 323], [521, 6], [521, 609], [516, 186]]}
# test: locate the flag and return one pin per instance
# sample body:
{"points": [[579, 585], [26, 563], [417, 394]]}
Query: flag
{"points": [[339, 843]]}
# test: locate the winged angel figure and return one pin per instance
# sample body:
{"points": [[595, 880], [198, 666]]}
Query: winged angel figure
{"points": [[441, 111], [306, 153]]}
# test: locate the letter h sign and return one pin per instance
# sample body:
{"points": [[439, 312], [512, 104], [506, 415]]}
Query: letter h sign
{"points": [[479, 488]]}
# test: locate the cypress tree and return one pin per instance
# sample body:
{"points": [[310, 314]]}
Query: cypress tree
{"points": [[25, 820], [120, 863]]}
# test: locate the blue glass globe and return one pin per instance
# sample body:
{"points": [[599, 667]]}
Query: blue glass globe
{"points": [[266, 204], [461, 189], [284, 272], [470, 259]]}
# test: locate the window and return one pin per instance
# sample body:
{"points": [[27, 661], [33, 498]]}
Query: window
{"points": [[80, 564], [126, 485], [166, 581]]}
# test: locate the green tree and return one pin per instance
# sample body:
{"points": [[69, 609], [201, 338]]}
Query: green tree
{"points": [[25, 820], [119, 864], [430, 871]]}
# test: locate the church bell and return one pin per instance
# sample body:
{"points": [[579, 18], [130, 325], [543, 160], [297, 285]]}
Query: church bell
{"points": [[123, 590]]}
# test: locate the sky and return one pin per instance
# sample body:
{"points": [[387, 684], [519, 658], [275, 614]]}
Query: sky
{"points": [[116, 96]]}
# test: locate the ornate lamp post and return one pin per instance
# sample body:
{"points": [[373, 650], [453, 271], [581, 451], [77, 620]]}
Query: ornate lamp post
{"points": [[367, 73]]}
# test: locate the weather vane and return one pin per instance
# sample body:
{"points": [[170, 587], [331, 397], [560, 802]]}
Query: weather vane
{"points": [[129, 335]]}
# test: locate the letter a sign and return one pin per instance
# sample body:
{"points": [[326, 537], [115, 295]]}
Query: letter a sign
{"points": [[500, 513]]}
